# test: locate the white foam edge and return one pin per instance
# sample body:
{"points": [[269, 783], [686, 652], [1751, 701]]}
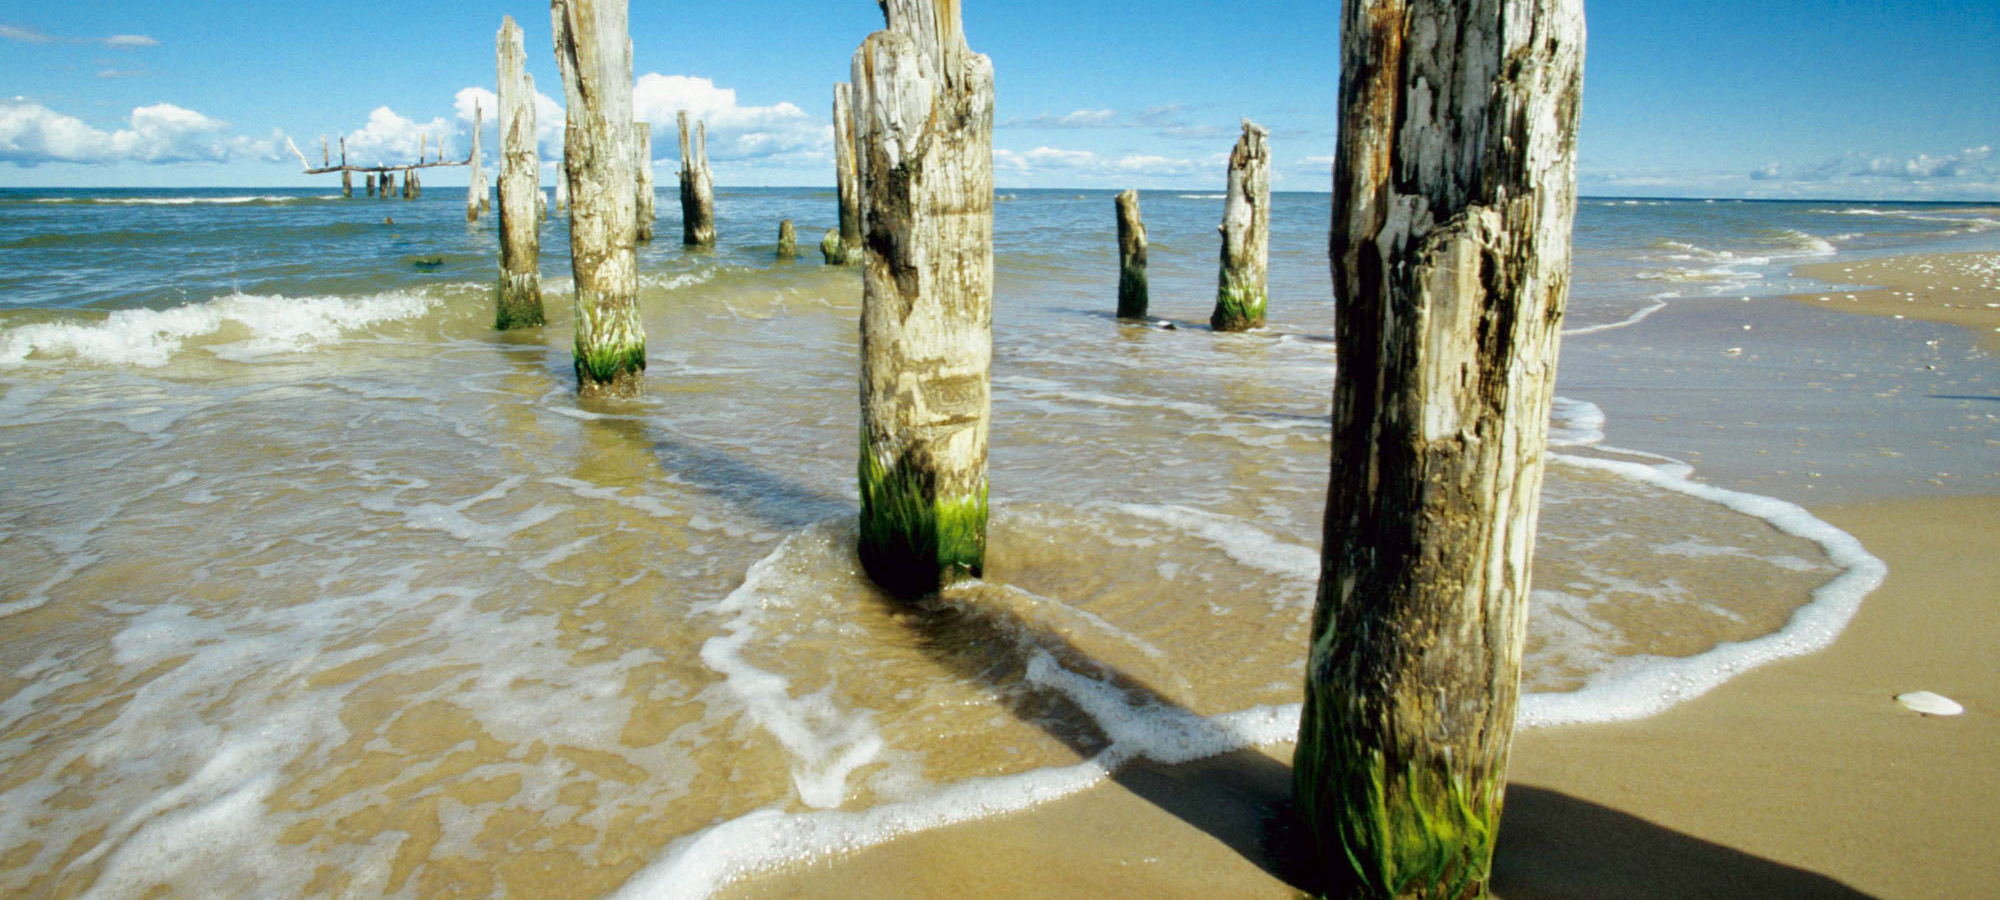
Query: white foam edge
{"points": [[149, 338], [1664, 682]]}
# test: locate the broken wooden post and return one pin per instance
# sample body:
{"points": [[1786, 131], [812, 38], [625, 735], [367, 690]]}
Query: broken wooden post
{"points": [[347, 185], [923, 136], [1131, 257], [830, 249], [477, 183], [388, 185], [642, 140], [1246, 234], [788, 240], [1454, 189], [562, 188], [518, 300], [697, 189], [847, 242], [596, 61], [371, 184]]}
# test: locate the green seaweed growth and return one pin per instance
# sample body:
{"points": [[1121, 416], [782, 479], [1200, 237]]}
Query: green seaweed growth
{"points": [[517, 306], [1423, 834], [1239, 305], [609, 365], [426, 262], [1132, 295], [913, 542]]}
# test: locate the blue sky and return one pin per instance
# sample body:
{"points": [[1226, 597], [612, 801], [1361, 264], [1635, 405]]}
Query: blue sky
{"points": [[1892, 99]]}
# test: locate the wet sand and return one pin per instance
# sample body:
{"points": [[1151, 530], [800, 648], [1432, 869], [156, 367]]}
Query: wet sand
{"points": [[1960, 289], [1801, 779]]}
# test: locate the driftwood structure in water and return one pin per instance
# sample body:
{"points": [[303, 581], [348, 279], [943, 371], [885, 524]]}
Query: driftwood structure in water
{"points": [[1132, 299], [518, 298], [697, 187], [385, 172], [642, 160], [1453, 196], [595, 56], [788, 240], [1240, 293], [843, 247], [923, 135]]}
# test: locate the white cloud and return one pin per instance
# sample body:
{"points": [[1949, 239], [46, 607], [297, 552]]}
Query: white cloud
{"points": [[1082, 118], [390, 139], [24, 35], [120, 41], [781, 134], [131, 40], [32, 134]]}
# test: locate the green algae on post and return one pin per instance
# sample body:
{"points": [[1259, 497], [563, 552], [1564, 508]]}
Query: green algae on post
{"points": [[913, 541], [596, 61], [1132, 295], [518, 298]]}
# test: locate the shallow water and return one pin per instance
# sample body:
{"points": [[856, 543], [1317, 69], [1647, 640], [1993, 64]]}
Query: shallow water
{"points": [[314, 585]]}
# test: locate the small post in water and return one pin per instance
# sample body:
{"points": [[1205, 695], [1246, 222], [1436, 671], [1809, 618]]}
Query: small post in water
{"points": [[923, 136], [697, 188], [1131, 257], [642, 142], [1451, 250], [476, 184], [1246, 234], [518, 299], [595, 55], [788, 240]]}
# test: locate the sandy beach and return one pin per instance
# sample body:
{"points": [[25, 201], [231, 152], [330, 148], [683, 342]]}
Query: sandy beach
{"points": [[1803, 778]]}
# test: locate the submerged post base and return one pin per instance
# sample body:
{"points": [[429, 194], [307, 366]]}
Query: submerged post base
{"points": [[914, 542], [517, 302], [1239, 306]]}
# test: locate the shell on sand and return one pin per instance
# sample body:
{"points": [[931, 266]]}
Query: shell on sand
{"points": [[1930, 704]]}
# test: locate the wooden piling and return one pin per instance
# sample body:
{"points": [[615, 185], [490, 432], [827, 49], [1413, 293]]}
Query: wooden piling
{"points": [[388, 185], [1452, 211], [347, 185], [562, 189], [476, 184], [371, 184], [518, 297], [847, 245], [788, 240], [1132, 298], [697, 188], [595, 56], [1246, 234], [642, 141], [923, 135], [830, 249]]}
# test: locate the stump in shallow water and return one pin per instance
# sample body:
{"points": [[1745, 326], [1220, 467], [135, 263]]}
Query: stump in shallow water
{"points": [[697, 187], [642, 141], [1132, 298], [518, 300], [596, 61], [846, 246], [1246, 234], [788, 240], [923, 136], [1454, 188]]}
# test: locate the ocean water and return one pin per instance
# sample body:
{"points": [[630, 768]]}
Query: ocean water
{"points": [[313, 585]]}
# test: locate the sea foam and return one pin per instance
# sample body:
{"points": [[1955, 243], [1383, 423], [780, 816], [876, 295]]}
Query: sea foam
{"points": [[149, 338]]}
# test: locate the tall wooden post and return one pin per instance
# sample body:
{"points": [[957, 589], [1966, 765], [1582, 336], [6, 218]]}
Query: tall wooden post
{"points": [[642, 141], [518, 299], [697, 189], [562, 189], [1454, 189], [476, 185], [388, 185], [1246, 234], [347, 184], [596, 60], [788, 240], [923, 135], [1132, 298], [371, 184], [847, 247]]}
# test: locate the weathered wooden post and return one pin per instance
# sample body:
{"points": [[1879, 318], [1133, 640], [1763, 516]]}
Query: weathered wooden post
{"points": [[1131, 257], [923, 135], [847, 242], [1454, 188], [830, 250], [697, 189], [371, 184], [642, 141], [595, 56], [388, 185], [475, 187], [788, 240], [346, 175], [562, 189], [518, 300], [1246, 234]]}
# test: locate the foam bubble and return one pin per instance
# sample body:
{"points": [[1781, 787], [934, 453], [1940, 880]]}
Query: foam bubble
{"points": [[149, 338]]}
